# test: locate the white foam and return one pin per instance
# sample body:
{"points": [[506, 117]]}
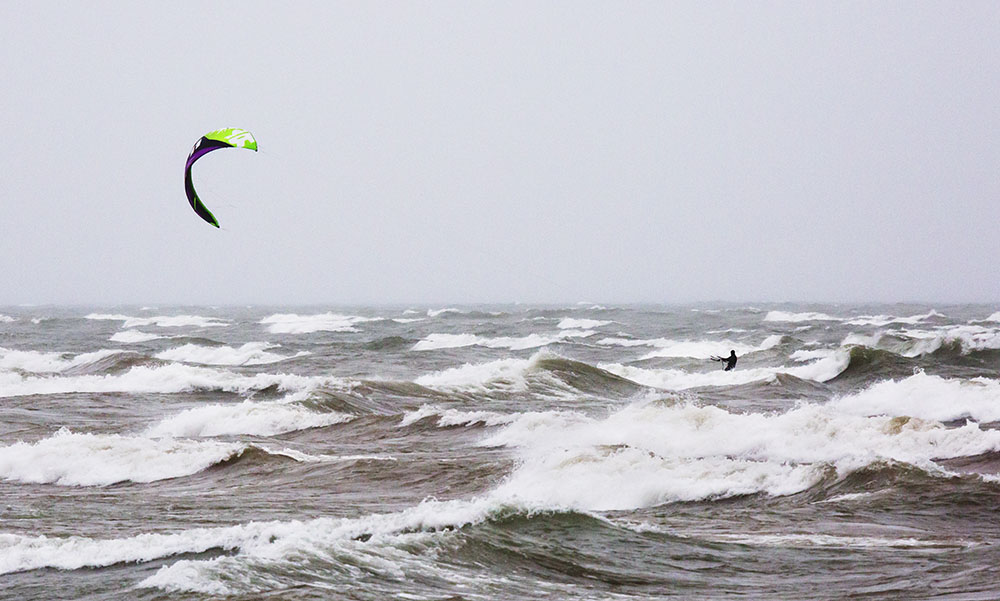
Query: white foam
{"points": [[166, 379], [504, 376], [994, 317], [581, 324], [107, 317], [972, 338], [251, 353], [651, 453], [884, 320], [829, 366], [927, 397], [39, 362], [162, 321], [292, 323], [798, 317], [133, 337], [247, 417], [455, 417], [811, 354], [324, 458], [445, 341], [442, 341], [6, 318], [801, 541], [387, 548], [630, 342], [641, 455], [81, 459], [914, 343], [704, 349]]}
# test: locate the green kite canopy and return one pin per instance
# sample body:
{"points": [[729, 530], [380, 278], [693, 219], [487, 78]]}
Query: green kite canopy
{"points": [[220, 138]]}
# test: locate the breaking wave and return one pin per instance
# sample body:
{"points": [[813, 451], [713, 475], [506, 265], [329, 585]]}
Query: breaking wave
{"points": [[292, 323], [446, 341]]}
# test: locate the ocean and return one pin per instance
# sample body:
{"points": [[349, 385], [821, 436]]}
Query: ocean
{"points": [[579, 452]]}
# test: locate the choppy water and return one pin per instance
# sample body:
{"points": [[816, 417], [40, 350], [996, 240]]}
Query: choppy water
{"points": [[508, 452]]}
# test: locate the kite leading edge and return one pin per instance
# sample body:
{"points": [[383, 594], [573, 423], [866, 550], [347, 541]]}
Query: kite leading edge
{"points": [[220, 138]]}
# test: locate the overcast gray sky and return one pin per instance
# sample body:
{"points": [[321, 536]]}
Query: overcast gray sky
{"points": [[502, 151]]}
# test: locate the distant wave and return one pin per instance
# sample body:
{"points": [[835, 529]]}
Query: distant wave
{"points": [[914, 343], [884, 320], [544, 374], [861, 320], [251, 353], [798, 317], [9, 319], [502, 375], [445, 341], [473, 313], [697, 349], [581, 324], [133, 337], [828, 366], [162, 321], [292, 323]]}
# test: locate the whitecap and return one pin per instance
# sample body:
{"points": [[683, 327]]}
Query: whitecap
{"points": [[251, 353], [292, 323], [82, 459], [445, 341], [798, 317]]}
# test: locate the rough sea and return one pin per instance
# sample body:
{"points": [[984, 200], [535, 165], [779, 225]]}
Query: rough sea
{"points": [[513, 452]]}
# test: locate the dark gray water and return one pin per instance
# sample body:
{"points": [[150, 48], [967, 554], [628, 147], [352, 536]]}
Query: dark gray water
{"points": [[505, 452]]}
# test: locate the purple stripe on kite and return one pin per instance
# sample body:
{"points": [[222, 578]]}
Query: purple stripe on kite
{"points": [[197, 154]]}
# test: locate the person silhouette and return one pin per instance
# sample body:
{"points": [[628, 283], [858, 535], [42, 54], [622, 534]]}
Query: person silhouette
{"points": [[730, 361]]}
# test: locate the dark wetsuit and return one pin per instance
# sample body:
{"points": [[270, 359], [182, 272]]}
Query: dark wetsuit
{"points": [[730, 361]]}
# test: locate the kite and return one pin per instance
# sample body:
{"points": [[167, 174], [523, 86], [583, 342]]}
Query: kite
{"points": [[221, 138]]}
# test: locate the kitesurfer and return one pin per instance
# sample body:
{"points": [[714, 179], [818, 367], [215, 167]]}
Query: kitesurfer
{"points": [[730, 361]]}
